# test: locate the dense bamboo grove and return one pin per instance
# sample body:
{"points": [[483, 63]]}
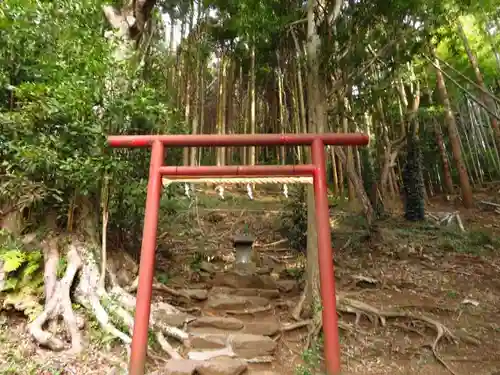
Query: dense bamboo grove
{"points": [[454, 105]]}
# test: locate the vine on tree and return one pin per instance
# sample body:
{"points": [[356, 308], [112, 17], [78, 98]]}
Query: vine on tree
{"points": [[413, 183]]}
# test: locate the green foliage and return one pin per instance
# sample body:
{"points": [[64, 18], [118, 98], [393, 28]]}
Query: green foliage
{"points": [[296, 273], [312, 358], [196, 260], [470, 242], [61, 267], [61, 92], [254, 20], [445, 238], [12, 260], [293, 221], [23, 280], [163, 278], [99, 336], [452, 50]]}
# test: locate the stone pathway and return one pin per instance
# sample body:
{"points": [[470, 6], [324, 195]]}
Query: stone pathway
{"points": [[237, 331]]}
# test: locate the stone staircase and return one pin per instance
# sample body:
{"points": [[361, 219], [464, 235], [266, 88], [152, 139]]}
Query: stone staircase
{"points": [[238, 329]]}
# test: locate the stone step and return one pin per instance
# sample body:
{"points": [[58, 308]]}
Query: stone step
{"points": [[236, 279], [267, 326], [243, 345], [246, 345], [234, 302], [219, 322], [288, 286], [196, 294], [252, 292], [219, 366]]}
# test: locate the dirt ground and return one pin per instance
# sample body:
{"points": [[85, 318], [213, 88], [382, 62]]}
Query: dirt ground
{"points": [[440, 272]]}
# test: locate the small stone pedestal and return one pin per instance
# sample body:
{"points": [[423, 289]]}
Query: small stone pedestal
{"points": [[243, 249]]}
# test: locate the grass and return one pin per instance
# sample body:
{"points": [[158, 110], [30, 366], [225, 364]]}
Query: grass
{"points": [[472, 241], [19, 356], [313, 358]]}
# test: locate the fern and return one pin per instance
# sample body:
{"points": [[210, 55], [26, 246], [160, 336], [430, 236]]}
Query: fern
{"points": [[21, 267], [30, 269], [23, 282], [12, 260]]}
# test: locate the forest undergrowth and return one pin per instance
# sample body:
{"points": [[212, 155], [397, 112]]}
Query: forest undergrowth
{"points": [[441, 281]]}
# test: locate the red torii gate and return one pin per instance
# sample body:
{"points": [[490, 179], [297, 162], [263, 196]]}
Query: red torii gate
{"points": [[156, 170]]}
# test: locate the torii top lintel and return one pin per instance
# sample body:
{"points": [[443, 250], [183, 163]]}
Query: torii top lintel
{"points": [[207, 140]]}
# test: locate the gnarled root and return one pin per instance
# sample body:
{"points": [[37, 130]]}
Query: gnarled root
{"points": [[58, 300], [375, 315], [118, 305], [112, 308]]}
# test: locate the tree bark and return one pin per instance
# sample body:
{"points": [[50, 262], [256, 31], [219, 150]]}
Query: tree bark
{"points": [[300, 89], [252, 154], [454, 139], [480, 81], [350, 157], [316, 101]]}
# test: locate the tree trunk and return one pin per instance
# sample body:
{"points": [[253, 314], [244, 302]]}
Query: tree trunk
{"points": [[171, 49], [454, 139], [345, 127], [201, 107], [245, 111], [390, 151], [187, 107], [296, 120], [252, 154], [334, 172], [340, 169], [317, 122], [197, 108], [179, 82], [283, 116], [229, 122], [300, 88], [221, 112], [479, 79], [448, 182], [357, 184]]}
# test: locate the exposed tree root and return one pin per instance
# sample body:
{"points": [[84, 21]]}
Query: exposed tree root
{"points": [[58, 302], [375, 315], [293, 326], [167, 348], [157, 286], [297, 311], [112, 308], [314, 330]]}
